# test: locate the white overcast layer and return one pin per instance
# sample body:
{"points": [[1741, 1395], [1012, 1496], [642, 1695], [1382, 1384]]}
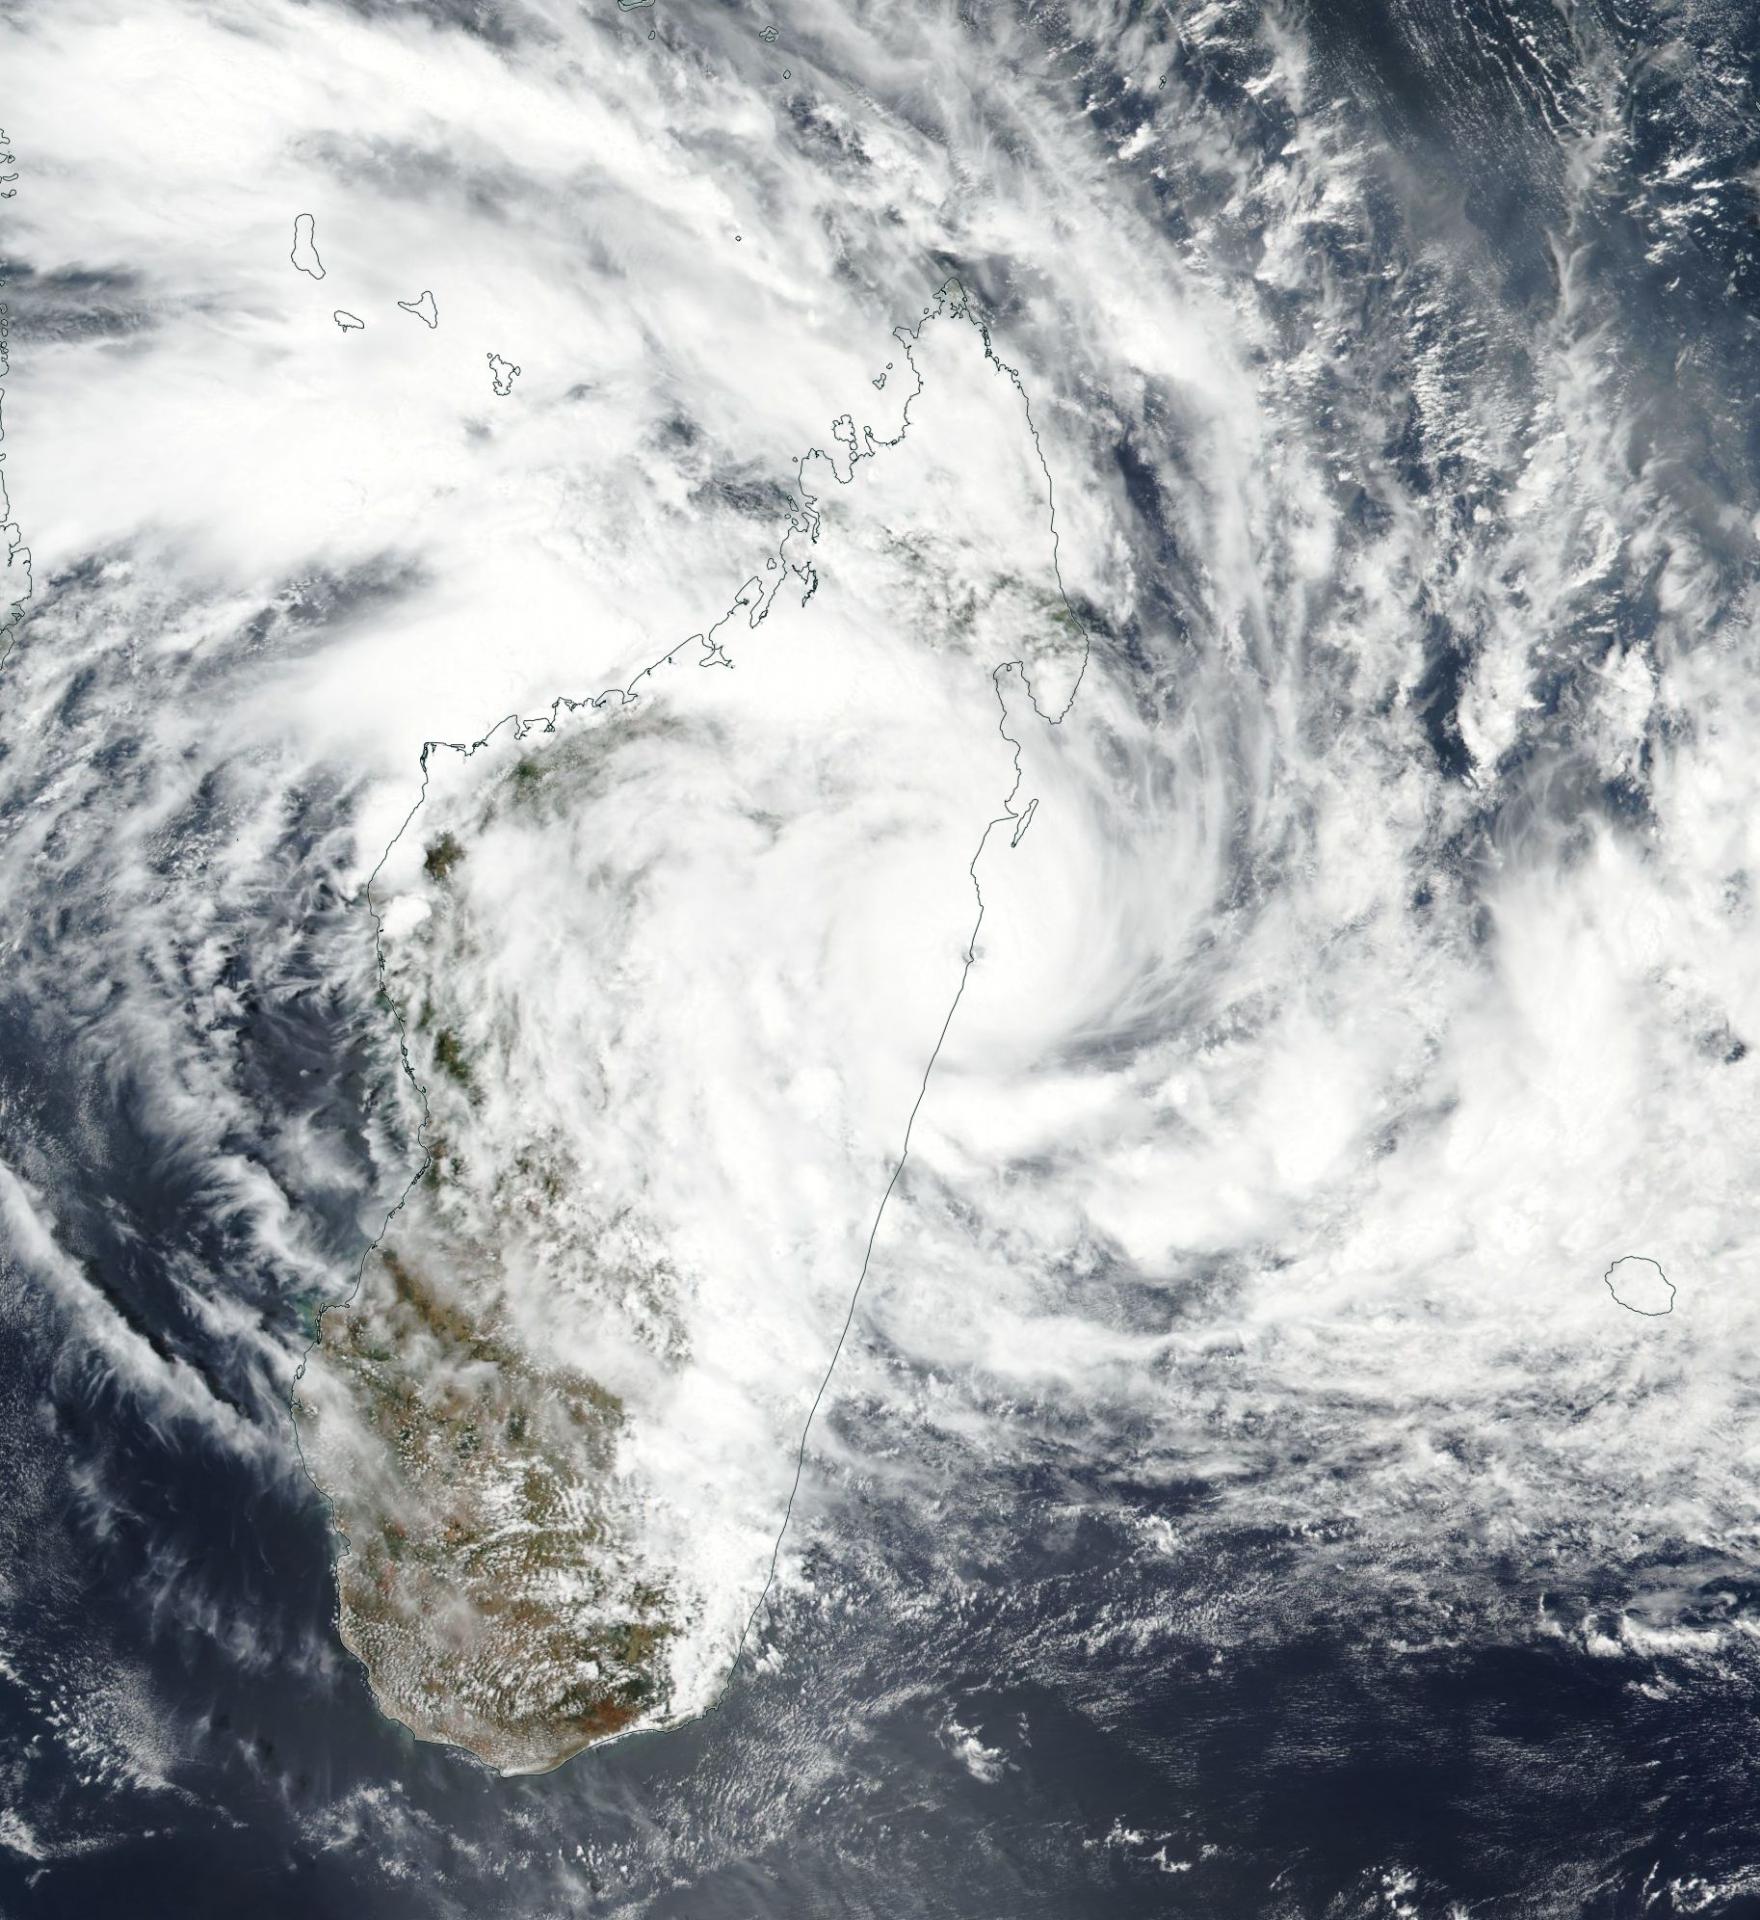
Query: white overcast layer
{"points": [[1303, 1089]]}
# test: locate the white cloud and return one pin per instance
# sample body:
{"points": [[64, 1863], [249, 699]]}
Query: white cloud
{"points": [[1374, 969]]}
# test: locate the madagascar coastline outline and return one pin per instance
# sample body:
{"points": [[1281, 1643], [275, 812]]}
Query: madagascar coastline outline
{"points": [[950, 302]]}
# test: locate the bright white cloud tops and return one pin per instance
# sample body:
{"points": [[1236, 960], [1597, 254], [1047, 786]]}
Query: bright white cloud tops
{"points": [[559, 1418]]}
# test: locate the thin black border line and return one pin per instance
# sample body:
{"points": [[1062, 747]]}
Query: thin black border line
{"points": [[950, 302], [971, 957]]}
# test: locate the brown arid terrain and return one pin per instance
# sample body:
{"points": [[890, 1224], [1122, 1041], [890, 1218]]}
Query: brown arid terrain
{"points": [[479, 1575]]}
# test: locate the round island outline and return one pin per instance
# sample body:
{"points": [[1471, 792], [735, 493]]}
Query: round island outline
{"points": [[1641, 1279]]}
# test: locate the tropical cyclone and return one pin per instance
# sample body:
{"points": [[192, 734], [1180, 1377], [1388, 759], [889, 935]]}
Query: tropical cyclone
{"points": [[669, 966]]}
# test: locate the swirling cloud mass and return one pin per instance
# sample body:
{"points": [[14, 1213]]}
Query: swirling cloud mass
{"points": [[905, 841]]}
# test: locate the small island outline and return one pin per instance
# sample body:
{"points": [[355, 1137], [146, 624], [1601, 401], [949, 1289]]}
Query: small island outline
{"points": [[423, 308], [305, 248], [1629, 1260]]}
